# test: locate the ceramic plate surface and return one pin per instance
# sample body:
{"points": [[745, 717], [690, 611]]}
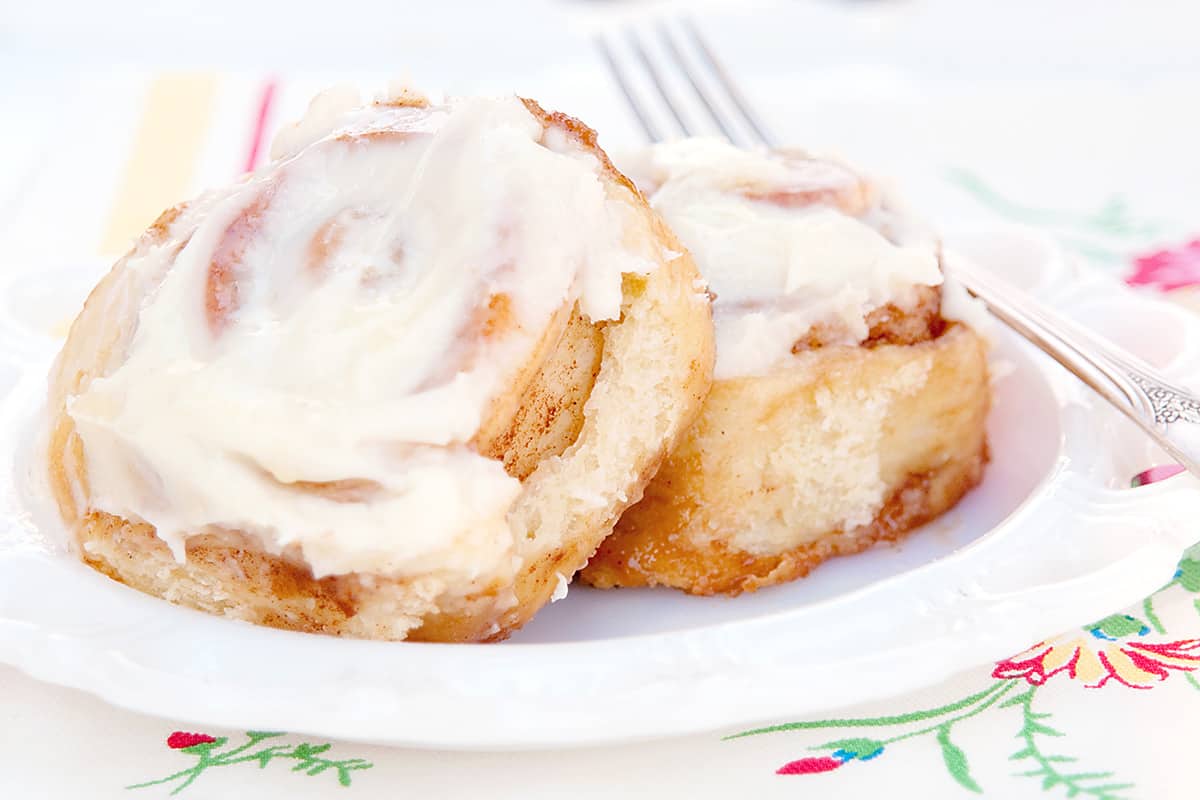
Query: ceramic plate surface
{"points": [[1051, 538]]}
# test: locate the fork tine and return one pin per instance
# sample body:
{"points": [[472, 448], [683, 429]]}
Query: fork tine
{"points": [[657, 80], [626, 87], [735, 94], [673, 49]]}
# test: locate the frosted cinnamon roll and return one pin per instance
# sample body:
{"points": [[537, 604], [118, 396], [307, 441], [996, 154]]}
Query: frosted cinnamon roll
{"points": [[398, 383], [850, 396]]}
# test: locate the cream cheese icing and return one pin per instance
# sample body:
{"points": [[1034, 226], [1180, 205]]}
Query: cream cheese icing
{"points": [[786, 241], [329, 333]]}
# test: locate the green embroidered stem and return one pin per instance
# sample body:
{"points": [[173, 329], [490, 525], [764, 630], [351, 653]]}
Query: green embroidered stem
{"points": [[877, 722], [307, 757], [1032, 727], [953, 756], [1007, 686], [975, 186], [1111, 219], [191, 774], [1151, 617], [252, 738]]}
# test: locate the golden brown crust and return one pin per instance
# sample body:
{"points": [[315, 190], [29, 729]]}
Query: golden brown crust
{"points": [[753, 494], [287, 597], [569, 402], [720, 569]]}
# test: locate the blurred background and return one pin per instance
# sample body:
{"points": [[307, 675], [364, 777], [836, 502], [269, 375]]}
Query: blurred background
{"points": [[1076, 116]]}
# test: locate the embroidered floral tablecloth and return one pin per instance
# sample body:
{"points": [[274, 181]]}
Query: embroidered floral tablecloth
{"points": [[1105, 711]]}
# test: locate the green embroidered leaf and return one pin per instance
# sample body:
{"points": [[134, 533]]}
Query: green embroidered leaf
{"points": [[1086, 776], [956, 761], [1018, 699], [1112, 787], [1118, 626], [1037, 727], [1072, 784], [205, 747], [859, 748], [1189, 574], [1151, 615], [306, 750]]}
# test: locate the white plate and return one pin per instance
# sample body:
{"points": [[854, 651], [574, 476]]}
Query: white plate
{"points": [[1052, 538]]}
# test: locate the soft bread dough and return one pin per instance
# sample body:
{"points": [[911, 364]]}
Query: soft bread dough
{"points": [[755, 494]]}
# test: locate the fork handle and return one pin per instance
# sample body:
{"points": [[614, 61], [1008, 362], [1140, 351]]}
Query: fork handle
{"points": [[1168, 413]]}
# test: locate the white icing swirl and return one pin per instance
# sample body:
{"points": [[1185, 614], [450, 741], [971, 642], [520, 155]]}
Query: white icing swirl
{"points": [[786, 241], [330, 332]]}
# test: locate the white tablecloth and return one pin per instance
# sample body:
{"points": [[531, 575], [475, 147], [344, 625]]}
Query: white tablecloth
{"points": [[1080, 120]]}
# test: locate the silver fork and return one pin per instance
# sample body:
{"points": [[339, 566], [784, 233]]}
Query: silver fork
{"points": [[677, 62]]}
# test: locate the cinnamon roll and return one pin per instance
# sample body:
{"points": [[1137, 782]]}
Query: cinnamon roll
{"points": [[851, 387], [398, 383]]}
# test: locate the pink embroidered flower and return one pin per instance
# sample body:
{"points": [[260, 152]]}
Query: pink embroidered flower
{"points": [[1138, 665], [809, 766], [181, 739], [1168, 269]]}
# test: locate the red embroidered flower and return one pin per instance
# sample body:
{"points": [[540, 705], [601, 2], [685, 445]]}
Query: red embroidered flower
{"points": [[1138, 665], [809, 766], [846, 750], [181, 739], [1168, 269]]}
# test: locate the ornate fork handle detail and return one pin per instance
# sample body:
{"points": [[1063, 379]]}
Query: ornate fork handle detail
{"points": [[1169, 405]]}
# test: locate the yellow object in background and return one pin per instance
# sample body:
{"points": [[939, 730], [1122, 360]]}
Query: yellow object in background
{"points": [[163, 156]]}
